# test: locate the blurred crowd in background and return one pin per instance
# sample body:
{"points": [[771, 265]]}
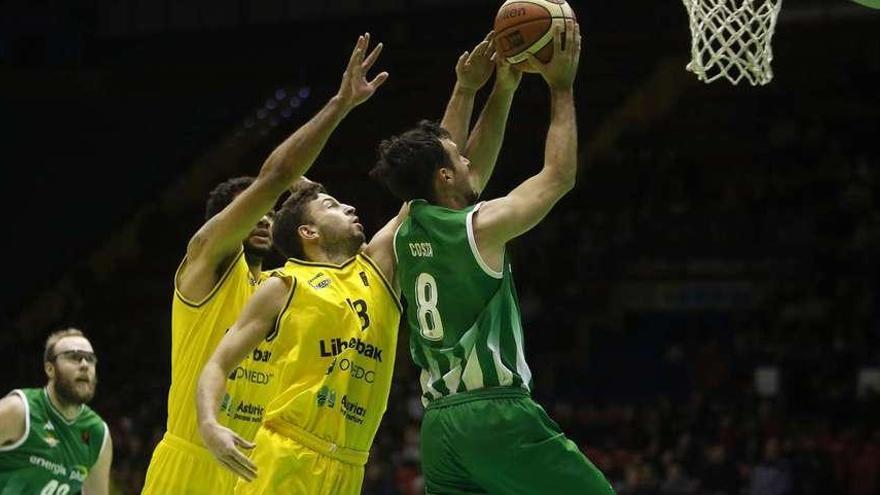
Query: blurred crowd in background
{"points": [[701, 312]]}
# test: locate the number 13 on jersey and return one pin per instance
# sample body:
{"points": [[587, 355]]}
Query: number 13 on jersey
{"points": [[429, 316]]}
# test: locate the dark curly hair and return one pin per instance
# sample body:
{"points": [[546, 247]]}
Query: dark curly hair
{"points": [[224, 193], [407, 162], [291, 215]]}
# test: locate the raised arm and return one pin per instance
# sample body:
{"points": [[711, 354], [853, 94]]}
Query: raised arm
{"points": [[484, 143], [254, 323], [221, 237], [98, 480], [381, 247], [472, 71], [504, 218]]}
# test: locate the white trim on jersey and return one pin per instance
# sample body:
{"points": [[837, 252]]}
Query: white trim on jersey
{"points": [[27, 423], [472, 241], [58, 413], [426, 380], [522, 368], [473, 372], [505, 376], [394, 246], [452, 379]]}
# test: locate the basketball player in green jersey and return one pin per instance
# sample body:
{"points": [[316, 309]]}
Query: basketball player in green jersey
{"points": [[51, 443], [481, 432]]}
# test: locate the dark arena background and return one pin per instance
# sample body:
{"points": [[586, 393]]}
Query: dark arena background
{"points": [[702, 311]]}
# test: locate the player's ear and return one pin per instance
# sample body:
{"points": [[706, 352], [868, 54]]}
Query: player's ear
{"points": [[49, 368], [446, 175], [307, 231]]}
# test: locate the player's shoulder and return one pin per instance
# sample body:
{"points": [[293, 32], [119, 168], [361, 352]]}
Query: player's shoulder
{"points": [[277, 282], [15, 402]]}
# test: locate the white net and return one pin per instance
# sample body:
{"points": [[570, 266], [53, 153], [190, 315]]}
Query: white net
{"points": [[732, 39]]}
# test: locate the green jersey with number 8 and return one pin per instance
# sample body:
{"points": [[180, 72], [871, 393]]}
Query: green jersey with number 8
{"points": [[465, 329], [55, 455]]}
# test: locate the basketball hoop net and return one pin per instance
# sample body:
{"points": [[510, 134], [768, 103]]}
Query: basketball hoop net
{"points": [[732, 39]]}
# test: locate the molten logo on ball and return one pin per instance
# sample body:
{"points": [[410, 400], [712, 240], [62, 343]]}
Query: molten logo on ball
{"points": [[512, 13]]}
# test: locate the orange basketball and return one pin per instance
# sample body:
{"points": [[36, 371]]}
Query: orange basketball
{"points": [[525, 26]]}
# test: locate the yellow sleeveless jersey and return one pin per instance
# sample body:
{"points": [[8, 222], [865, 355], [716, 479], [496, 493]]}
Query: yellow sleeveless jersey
{"points": [[196, 329], [335, 343]]}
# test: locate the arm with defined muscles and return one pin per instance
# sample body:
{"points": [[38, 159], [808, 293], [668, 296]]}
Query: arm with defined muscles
{"points": [[254, 323], [505, 218], [484, 143]]}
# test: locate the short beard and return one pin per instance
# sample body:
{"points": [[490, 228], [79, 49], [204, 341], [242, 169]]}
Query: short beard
{"points": [[66, 390], [252, 252], [346, 247]]}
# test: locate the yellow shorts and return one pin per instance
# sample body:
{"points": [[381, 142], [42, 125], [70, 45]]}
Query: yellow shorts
{"points": [[287, 466], [181, 468]]}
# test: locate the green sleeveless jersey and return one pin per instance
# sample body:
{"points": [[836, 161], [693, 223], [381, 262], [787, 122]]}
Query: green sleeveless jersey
{"points": [[465, 329], [55, 455]]}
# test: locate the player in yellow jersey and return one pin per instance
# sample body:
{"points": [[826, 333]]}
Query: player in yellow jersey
{"points": [[220, 271], [334, 321]]}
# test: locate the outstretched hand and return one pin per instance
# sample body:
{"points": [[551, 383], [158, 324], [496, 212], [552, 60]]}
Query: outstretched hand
{"points": [[474, 68], [355, 89], [561, 70]]}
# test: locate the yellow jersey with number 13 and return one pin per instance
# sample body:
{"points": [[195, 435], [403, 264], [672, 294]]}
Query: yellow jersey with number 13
{"points": [[335, 343]]}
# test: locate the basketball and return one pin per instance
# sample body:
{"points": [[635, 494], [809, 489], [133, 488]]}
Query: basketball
{"points": [[526, 26]]}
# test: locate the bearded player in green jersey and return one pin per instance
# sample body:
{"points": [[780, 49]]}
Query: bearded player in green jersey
{"points": [[51, 443], [481, 432]]}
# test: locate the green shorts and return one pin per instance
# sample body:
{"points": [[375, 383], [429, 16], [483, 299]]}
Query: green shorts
{"points": [[499, 441]]}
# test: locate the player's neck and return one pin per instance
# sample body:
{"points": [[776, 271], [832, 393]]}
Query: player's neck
{"points": [[333, 257], [448, 199], [69, 410], [255, 265]]}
